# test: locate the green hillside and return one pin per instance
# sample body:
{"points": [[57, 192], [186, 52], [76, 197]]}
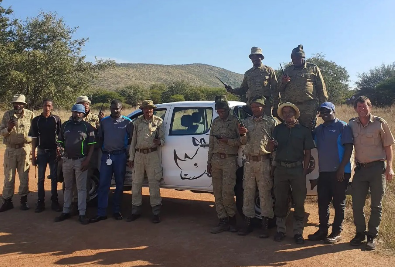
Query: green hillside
{"points": [[147, 74]]}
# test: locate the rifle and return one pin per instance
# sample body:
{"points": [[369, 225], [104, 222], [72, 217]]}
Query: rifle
{"points": [[101, 108], [226, 86]]}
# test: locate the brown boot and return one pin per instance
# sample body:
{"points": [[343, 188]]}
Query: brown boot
{"points": [[265, 228], [232, 224], [247, 228], [223, 225]]}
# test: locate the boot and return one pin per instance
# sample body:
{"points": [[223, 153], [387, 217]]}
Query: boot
{"points": [[247, 228], [222, 226], [7, 205], [358, 239], [55, 206], [40, 206], [24, 205], [232, 224], [319, 235], [265, 228]]}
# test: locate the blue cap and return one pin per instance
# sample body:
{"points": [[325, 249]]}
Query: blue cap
{"points": [[328, 105], [78, 108]]}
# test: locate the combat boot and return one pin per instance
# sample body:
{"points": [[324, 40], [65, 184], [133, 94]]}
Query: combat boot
{"points": [[232, 224], [223, 225], [24, 205], [265, 228], [40, 206], [55, 206], [247, 228], [7, 205]]}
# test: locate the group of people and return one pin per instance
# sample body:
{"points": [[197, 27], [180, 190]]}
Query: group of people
{"points": [[76, 143], [278, 155]]}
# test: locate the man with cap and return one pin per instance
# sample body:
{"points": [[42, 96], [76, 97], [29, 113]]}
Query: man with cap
{"points": [[148, 135], [114, 134], [257, 132], [222, 164], [90, 117], [260, 80], [303, 85], [334, 143], [77, 137], [293, 143], [14, 129], [373, 143]]}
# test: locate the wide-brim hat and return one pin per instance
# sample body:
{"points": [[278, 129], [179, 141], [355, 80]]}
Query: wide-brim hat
{"points": [[298, 51], [19, 98], [256, 51], [82, 99], [147, 104], [260, 100], [287, 104]]}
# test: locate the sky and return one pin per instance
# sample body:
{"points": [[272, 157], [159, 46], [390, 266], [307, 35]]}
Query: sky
{"points": [[356, 34]]}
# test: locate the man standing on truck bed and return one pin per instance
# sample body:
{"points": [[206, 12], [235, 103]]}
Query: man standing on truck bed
{"points": [[114, 134], [258, 81], [222, 164], [148, 135], [257, 132]]}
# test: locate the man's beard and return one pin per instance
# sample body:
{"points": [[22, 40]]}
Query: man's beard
{"points": [[76, 119], [18, 110]]}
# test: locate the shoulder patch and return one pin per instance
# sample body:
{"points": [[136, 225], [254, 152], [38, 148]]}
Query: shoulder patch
{"points": [[381, 120]]}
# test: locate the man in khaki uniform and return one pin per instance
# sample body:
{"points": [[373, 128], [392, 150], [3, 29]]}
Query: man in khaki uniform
{"points": [[304, 86], [15, 128], [260, 80], [373, 142], [148, 135], [222, 164], [258, 129]]}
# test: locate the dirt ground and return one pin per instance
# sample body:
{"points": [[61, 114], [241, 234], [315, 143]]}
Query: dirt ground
{"points": [[181, 239]]}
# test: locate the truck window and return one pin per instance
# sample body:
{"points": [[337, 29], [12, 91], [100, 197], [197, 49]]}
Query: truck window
{"points": [[191, 121]]}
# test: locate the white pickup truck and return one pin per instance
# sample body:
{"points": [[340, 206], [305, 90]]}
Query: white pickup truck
{"points": [[184, 155]]}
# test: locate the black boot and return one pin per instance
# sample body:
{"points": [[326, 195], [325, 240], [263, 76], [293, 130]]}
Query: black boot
{"points": [[232, 224], [24, 205], [7, 205], [222, 226], [40, 206], [319, 235], [265, 228], [247, 228], [55, 206]]}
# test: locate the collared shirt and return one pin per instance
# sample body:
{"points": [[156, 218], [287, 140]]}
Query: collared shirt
{"points": [[75, 138], [370, 140], [227, 128], [144, 133], [115, 133], [292, 142], [258, 81], [258, 133], [20, 132], [330, 140], [306, 84], [45, 130]]}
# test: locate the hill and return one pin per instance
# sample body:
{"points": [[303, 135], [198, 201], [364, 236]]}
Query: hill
{"points": [[196, 74]]}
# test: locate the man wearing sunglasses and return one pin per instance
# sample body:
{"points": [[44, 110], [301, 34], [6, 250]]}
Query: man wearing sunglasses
{"points": [[334, 141]]}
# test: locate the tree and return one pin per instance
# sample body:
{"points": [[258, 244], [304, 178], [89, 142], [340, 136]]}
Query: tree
{"points": [[176, 97], [176, 88], [134, 94], [156, 91], [384, 93]]}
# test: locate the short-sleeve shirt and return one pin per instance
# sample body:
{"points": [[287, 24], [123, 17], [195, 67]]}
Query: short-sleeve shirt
{"points": [[46, 131], [292, 142], [75, 138], [115, 133], [370, 140], [330, 140]]}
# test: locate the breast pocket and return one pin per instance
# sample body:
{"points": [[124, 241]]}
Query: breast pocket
{"points": [[369, 138]]}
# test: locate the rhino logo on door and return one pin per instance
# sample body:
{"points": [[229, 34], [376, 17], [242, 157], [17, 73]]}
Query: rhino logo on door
{"points": [[190, 169]]}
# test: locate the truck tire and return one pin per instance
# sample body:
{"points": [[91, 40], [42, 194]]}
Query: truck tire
{"points": [[92, 188]]}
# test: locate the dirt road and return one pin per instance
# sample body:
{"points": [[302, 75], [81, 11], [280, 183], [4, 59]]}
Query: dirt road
{"points": [[181, 239]]}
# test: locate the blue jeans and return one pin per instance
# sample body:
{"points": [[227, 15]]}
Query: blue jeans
{"points": [[118, 168], [45, 157]]}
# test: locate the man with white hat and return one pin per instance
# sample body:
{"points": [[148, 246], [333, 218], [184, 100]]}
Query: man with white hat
{"points": [[258, 81], [15, 129], [89, 117]]}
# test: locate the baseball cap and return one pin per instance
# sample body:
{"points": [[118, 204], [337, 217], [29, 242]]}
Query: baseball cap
{"points": [[328, 105], [78, 108]]}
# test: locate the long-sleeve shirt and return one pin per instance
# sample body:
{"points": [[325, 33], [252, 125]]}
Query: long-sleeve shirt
{"points": [[144, 133], [226, 128], [19, 134]]}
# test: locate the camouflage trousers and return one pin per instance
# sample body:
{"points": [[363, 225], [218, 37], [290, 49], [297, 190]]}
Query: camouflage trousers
{"points": [[223, 172], [149, 163], [308, 113], [257, 174], [16, 160]]}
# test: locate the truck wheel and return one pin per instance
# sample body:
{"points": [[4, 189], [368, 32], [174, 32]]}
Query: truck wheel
{"points": [[92, 188]]}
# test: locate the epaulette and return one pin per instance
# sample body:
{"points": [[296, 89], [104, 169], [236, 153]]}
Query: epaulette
{"points": [[381, 120], [352, 119]]}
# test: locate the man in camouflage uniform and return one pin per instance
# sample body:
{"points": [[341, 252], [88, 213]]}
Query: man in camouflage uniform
{"points": [[222, 164], [257, 132], [90, 117], [304, 86], [14, 129], [260, 80], [148, 135]]}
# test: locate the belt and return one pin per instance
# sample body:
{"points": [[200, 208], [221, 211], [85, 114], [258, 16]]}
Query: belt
{"points": [[147, 151], [114, 152], [223, 156], [47, 150], [16, 146], [365, 165], [289, 164], [257, 157], [75, 158]]}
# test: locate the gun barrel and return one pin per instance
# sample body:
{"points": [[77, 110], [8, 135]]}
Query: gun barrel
{"points": [[221, 81]]}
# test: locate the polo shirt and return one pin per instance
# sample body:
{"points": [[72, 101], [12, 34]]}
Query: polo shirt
{"points": [[46, 130], [115, 133]]}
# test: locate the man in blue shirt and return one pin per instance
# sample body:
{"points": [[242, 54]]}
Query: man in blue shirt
{"points": [[115, 132], [334, 141]]}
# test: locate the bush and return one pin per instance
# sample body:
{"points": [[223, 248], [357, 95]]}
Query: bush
{"points": [[177, 97]]}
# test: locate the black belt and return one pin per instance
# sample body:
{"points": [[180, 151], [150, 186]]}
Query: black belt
{"points": [[47, 150], [289, 164], [365, 165], [115, 152]]}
